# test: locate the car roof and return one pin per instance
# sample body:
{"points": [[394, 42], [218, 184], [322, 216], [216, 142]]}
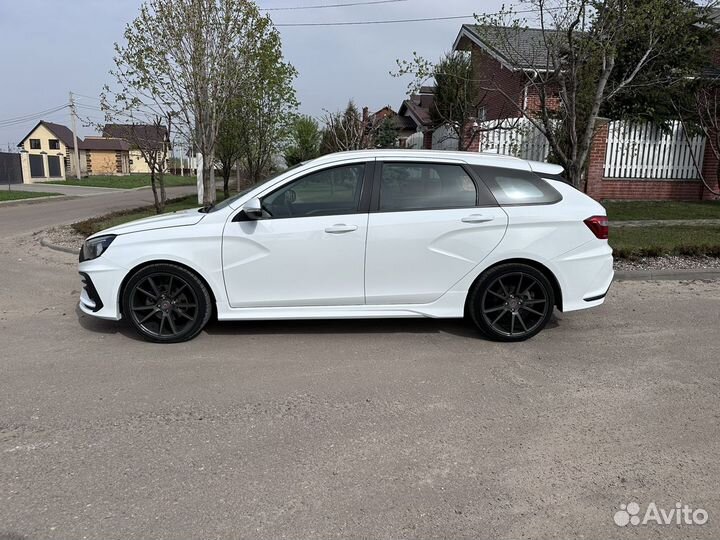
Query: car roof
{"points": [[473, 158]]}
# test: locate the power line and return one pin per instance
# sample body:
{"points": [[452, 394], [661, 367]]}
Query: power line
{"points": [[30, 116], [324, 6], [425, 19], [393, 21]]}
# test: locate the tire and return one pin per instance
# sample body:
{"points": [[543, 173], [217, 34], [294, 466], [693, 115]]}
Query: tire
{"points": [[166, 303], [511, 302]]}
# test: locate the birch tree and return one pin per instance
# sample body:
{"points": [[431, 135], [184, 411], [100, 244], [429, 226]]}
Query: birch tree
{"points": [[191, 56]]}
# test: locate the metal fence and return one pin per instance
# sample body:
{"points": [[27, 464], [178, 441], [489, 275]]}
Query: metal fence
{"points": [[10, 168]]}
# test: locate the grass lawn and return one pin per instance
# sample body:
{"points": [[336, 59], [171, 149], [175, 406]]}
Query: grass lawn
{"points": [[637, 210], [125, 182], [6, 195], [630, 242], [93, 225]]}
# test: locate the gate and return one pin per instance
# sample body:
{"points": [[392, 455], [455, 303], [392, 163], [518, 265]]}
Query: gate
{"points": [[10, 169]]}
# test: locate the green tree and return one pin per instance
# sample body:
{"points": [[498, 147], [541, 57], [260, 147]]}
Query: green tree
{"points": [[266, 106], [305, 138], [385, 134], [682, 53]]}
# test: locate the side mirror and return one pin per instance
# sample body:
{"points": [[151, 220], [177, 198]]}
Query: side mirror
{"points": [[253, 209]]}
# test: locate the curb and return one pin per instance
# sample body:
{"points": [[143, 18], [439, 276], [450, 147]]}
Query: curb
{"points": [[33, 200], [56, 247], [668, 275]]}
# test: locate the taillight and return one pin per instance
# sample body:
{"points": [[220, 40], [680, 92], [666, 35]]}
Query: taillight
{"points": [[599, 226]]}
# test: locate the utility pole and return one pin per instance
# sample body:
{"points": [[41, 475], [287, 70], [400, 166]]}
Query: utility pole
{"points": [[73, 116]]}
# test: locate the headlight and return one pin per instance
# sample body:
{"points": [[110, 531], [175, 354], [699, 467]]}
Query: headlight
{"points": [[95, 247]]}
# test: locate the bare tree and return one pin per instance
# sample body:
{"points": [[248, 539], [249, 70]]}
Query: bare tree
{"points": [[703, 115], [190, 56]]}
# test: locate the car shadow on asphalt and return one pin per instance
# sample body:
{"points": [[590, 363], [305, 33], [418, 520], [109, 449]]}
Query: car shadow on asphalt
{"points": [[457, 327]]}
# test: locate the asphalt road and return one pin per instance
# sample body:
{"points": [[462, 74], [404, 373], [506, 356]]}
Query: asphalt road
{"points": [[27, 216], [375, 429]]}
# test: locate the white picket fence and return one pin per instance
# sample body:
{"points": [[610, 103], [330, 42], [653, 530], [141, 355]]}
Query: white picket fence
{"points": [[514, 137], [444, 138], [415, 141], [646, 151]]}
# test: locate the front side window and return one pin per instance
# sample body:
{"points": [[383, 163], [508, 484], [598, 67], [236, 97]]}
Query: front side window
{"points": [[34, 144], [328, 192], [425, 186], [513, 187], [54, 144]]}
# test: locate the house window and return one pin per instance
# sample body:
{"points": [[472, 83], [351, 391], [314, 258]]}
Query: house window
{"points": [[35, 144], [37, 166], [54, 144], [54, 166]]}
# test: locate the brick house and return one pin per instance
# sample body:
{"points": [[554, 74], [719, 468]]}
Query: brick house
{"points": [[415, 118], [655, 166], [148, 136]]}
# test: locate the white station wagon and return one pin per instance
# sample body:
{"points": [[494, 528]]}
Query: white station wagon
{"points": [[367, 234]]}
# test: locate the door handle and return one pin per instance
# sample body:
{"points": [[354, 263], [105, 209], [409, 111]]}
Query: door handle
{"points": [[341, 228], [477, 218]]}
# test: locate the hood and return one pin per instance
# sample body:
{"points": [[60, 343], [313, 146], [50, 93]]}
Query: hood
{"points": [[163, 221]]}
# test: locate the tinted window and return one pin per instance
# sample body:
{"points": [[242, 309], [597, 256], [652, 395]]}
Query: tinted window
{"points": [[54, 166], [37, 166], [423, 186], [35, 144], [510, 186], [54, 144], [328, 192]]}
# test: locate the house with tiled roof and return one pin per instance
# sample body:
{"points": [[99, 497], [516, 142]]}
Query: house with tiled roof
{"points": [[147, 136], [48, 153]]}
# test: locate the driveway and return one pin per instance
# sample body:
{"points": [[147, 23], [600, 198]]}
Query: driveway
{"points": [[354, 429]]}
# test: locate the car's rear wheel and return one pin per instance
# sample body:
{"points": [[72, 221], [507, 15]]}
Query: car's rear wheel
{"points": [[511, 302], [166, 303]]}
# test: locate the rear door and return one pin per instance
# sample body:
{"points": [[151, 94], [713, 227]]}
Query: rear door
{"points": [[430, 224]]}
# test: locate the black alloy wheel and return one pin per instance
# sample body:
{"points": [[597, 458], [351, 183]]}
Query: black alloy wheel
{"points": [[512, 302], [166, 303]]}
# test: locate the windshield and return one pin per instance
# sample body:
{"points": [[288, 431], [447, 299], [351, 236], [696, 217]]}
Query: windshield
{"points": [[230, 200]]}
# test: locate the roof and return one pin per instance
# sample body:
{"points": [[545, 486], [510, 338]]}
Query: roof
{"points": [[516, 48], [104, 143], [63, 133], [418, 106], [148, 135]]}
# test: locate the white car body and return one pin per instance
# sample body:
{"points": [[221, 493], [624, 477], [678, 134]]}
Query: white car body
{"points": [[362, 265]]}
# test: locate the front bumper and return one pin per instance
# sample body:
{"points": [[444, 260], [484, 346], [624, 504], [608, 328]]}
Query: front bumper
{"points": [[101, 286]]}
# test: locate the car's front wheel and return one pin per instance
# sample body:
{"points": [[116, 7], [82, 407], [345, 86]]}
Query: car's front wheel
{"points": [[511, 302], [166, 303]]}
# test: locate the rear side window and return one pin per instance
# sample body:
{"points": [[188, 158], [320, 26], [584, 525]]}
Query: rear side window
{"points": [[513, 187], [425, 186]]}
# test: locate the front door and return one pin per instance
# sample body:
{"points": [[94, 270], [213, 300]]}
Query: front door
{"points": [[309, 250], [433, 224]]}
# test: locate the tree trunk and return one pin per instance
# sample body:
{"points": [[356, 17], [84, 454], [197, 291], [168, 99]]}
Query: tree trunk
{"points": [[153, 185], [163, 194], [226, 181], [208, 180]]}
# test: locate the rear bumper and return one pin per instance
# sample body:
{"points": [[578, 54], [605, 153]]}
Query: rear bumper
{"points": [[585, 274]]}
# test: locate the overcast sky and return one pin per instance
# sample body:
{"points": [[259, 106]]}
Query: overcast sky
{"points": [[51, 47]]}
